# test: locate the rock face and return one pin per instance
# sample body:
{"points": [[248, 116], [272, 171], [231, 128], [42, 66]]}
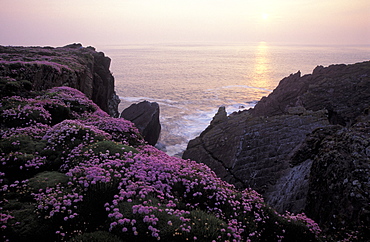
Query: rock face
{"points": [[305, 147], [42, 68], [339, 185], [250, 151], [343, 90], [145, 116]]}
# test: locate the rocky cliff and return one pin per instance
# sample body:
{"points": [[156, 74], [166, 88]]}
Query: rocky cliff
{"points": [[342, 90], [305, 147], [40, 68], [70, 172]]}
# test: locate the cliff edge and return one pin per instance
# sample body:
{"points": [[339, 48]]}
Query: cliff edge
{"points": [[40, 68]]}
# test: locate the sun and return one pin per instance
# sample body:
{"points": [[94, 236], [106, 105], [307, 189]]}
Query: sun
{"points": [[265, 16]]}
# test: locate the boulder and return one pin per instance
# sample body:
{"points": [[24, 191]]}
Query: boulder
{"points": [[145, 116]]}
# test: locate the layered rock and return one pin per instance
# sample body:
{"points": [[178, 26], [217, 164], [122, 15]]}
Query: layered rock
{"points": [[253, 152], [343, 90], [145, 116], [42, 68], [339, 182], [279, 147]]}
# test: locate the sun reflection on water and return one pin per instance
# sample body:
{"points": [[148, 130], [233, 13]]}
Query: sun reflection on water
{"points": [[262, 69]]}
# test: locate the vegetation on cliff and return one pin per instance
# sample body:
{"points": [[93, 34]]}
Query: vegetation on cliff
{"points": [[70, 172], [39, 68]]}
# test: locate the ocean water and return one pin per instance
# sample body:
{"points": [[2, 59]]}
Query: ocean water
{"points": [[190, 82]]}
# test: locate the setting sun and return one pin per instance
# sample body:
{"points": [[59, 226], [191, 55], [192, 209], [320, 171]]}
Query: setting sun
{"points": [[163, 21], [265, 16]]}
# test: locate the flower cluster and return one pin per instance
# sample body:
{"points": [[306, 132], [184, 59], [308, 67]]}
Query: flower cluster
{"points": [[74, 99], [18, 111], [157, 187], [105, 177], [36, 131], [312, 225], [70, 133], [122, 130], [55, 201], [4, 219]]}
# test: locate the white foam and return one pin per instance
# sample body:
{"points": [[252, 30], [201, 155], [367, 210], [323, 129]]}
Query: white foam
{"points": [[239, 86], [140, 99], [184, 121], [239, 107], [176, 149]]}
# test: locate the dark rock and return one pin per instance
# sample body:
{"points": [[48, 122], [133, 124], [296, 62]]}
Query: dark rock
{"points": [[220, 116], [290, 191], [305, 147], [103, 85], [72, 65], [339, 185], [252, 151], [74, 45], [343, 90], [145, 116]]}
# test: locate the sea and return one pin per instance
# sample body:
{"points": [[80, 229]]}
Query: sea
{"points": [[191, 81]]}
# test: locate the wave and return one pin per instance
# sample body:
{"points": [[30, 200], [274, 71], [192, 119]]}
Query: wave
{"points": [[240, 86], [184, 120], [157, 100]]}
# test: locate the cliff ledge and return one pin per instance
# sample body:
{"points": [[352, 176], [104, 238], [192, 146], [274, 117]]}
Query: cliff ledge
{"points": [[40, 68]]}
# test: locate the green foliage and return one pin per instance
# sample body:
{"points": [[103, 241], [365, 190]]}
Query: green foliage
{"points": [[21, 143], [21, 112], [13, 204], [58, 112], [47, 179], [98, 236], [205, 226], [102, 147], [28, 226], [23, 156], [82, 108], [12, 87], [27, 85]]}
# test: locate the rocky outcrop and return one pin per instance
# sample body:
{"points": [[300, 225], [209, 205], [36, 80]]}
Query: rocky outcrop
{"points": [[339, 182], [343, 90], [252, 152], [42, 68], [145, 116], [299, 145]]}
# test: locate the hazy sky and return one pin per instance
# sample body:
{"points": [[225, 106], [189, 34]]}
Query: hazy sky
{"points": [[98, 22]]}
